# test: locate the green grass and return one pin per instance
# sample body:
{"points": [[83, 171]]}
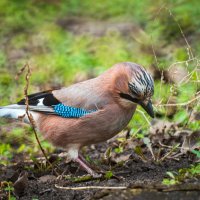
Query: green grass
{"points": [[182, 175]]}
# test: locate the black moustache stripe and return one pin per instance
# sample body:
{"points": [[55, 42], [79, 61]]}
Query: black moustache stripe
{"points": [[128, 97]]}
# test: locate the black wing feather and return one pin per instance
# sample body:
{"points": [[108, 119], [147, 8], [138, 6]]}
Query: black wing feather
{"points": [[34, 99]]}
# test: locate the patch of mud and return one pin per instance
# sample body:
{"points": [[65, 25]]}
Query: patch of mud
{"points": [[138, 194], [41, 184], [143, 162]]}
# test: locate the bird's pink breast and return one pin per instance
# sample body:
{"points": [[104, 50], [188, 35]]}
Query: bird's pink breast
{"points": [[93, 128]]}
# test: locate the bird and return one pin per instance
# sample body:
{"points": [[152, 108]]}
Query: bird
{"points": [[90, 111]]}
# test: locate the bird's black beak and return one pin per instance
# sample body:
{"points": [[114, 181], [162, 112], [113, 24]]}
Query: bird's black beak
{"points": [[148, 108]]}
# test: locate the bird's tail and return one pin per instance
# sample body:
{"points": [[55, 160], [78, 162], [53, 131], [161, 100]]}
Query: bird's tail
{"points": [[14, 111], [11, 111]]}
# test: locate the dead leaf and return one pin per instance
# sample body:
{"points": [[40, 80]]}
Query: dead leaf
{"points": [[47, 178], [21, 184], [176, 73], [116, 158], [190, 142]]}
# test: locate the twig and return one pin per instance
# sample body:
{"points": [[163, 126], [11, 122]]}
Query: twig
{"points": [[180, 104], [187, 78], [151, 151], [168, 154], [181, 62], [30, 117], [191, 56], [91, 187]]}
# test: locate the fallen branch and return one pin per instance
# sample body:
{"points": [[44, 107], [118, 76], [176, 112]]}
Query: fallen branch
{"points": [[91, 187]]}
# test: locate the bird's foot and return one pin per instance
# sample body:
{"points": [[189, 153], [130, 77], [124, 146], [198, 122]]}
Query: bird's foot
{"points": [[86, 167], [64, 155]]}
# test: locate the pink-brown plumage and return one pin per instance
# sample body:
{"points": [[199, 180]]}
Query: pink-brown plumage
{"points": [[101, 93], [113, 95], [93, 128]]}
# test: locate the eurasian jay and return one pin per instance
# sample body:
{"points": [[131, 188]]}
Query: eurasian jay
{"points": [[88, 112]]}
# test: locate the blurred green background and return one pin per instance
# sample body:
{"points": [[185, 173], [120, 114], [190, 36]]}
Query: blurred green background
{"points": [[66, 41]]}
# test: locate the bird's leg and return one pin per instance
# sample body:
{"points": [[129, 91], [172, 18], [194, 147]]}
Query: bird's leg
{"points": [[83, 163], [74, 155], [83, 159]]}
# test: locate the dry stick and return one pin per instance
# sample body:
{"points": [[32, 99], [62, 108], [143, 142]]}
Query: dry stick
{"points": [[182, 62], [180, 104], [190, 54], [186, 78], [189, 50], [167, 155], [172, 147], [191, 58], [150, 188], [30, 117], [91, 187]]}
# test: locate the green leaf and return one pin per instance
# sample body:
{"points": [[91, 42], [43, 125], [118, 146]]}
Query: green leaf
{"points": [[108, 175], [167, 181], [118, 149], [171, 175], [196, 152]]}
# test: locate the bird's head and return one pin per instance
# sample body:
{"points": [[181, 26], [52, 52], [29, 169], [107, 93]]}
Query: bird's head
{"points": [[140, 87]]}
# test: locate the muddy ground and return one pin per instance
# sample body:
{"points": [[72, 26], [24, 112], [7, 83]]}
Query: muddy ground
{"points": [[129, 170]]}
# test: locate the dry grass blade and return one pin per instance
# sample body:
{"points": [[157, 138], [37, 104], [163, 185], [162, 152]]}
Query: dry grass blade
{"points": [[91, 187], [142, 113], [167, 155], [191, 58], [182, 104]]}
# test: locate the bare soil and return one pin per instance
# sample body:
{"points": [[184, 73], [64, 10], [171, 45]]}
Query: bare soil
{"points": [[133, 173]]}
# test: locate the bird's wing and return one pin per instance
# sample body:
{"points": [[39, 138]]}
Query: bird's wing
{"points": [[45, 98], [75, 101], [45, 102], [91, 94]]}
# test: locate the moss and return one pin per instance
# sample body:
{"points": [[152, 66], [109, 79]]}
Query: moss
{"points": [[5, 79]]}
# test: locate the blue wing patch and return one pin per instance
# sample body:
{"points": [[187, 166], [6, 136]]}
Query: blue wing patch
{"points": [[70, 112]]}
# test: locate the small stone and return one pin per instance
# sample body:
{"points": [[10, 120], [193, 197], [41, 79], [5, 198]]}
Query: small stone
{"points": [[47, 178]]}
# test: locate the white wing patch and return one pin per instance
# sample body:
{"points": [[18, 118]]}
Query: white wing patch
{"points": [[40, 102]]}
